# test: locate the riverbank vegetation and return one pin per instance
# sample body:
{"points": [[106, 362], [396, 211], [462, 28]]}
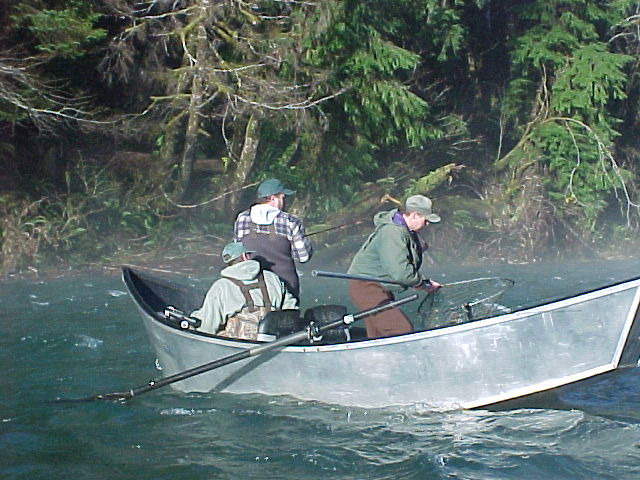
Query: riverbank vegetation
{"points": [[133, 127]]}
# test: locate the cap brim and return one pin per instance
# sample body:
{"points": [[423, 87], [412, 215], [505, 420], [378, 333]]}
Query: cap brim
{"points": [[286, 191], [433, 218]]}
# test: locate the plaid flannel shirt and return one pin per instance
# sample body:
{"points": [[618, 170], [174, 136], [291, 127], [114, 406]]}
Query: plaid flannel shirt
{"points": [[285, 224]]}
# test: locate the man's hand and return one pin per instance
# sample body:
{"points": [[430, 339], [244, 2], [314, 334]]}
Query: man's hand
{"points": [[431, 286]]}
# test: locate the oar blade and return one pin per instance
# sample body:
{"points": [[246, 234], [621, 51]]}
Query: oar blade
{"points": [[111, 397]]}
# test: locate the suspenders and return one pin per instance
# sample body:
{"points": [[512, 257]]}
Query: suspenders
{"points": [[245, 288]]}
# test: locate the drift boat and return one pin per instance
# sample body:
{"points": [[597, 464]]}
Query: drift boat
{"points": [[467, 365]]}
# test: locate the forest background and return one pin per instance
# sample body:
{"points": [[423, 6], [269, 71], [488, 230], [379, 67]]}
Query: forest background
{"points": [[130, 128]]}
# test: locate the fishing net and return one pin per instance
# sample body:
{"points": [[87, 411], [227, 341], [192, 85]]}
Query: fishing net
{"points": [[464, 301]]}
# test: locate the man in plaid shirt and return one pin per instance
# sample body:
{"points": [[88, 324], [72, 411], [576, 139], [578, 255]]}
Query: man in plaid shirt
{"points": [[276, 236]]}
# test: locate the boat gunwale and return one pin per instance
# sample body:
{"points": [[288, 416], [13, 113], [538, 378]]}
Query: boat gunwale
{"points": [[408, 337]]}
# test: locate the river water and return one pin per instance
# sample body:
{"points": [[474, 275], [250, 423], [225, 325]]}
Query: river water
{"points": [[81, 335]]}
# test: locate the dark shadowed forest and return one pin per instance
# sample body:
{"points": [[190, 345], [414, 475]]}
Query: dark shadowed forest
{"points": [[129, 128]]}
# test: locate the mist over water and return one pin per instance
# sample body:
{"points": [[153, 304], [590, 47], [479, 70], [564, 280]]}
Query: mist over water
{"points": [[81, 335]]}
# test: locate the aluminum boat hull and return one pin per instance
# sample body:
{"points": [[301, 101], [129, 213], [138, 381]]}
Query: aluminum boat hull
{"points": [[463, 366]]}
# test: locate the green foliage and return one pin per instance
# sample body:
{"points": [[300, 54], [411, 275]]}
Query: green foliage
{"points": [[564, 80], [591, 79], [312, 168], [340, 90], [383, 109], [97, 216], [333, 186], [65, 32]]}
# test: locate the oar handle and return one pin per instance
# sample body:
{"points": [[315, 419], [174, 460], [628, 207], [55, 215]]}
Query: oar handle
{"points": [[348, 276]]}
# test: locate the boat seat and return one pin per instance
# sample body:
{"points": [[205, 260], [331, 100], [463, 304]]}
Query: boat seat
{"points": [[278, 324], [284, 322], [324, 314]]}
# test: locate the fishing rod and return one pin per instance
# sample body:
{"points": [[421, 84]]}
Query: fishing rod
{"points": [[366, 278], [385, 198], [342, 225]]}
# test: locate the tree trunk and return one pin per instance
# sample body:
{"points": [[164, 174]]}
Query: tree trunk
{"points": [[245, 161], [194, 112], [311, 158], [191, 136]]}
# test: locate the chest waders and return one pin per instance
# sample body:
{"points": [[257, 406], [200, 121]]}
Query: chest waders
{"points": [[273, 251], [244, 324]]}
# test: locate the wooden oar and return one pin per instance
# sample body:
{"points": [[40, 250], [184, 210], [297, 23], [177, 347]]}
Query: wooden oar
{"points": [[310, 333]]}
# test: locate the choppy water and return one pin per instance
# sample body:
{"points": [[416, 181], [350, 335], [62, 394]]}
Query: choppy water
{"points": [[79, 336]]}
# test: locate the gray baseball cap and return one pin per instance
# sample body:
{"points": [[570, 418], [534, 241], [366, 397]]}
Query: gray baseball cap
{"points": [[422, 205], [233, 250]]}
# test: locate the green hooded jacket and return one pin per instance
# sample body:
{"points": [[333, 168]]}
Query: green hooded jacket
{"points": [[391, 252], [225, 299]]}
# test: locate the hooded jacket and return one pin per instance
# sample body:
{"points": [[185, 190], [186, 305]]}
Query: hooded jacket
{"points": [[277, 238], [391, 252], [263, 214], [225, 299]]}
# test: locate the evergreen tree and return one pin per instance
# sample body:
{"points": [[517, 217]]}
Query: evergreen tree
{"points": [[564, 81]]}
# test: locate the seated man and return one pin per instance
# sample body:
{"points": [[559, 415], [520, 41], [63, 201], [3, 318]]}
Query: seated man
{"points": [[235, 304]]}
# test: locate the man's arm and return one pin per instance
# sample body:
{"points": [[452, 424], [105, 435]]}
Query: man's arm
{"points": [[290, 302], [211, 312], [241, 226], [301, 247], [281, 298]]}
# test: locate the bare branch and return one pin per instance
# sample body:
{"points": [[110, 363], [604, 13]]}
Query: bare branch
{"points": [[308, 103], [211, 200], [46, 105]]}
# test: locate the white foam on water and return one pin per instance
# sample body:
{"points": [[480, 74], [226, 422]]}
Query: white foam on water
{"points": [[88, 342], [116, 293]]}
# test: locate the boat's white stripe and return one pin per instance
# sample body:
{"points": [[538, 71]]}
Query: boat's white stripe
{"points": [[539, 387], [627, 327]]}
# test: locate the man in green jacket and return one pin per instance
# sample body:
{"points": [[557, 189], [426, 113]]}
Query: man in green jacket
{"points": [[235, 304], [392, 252]]}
